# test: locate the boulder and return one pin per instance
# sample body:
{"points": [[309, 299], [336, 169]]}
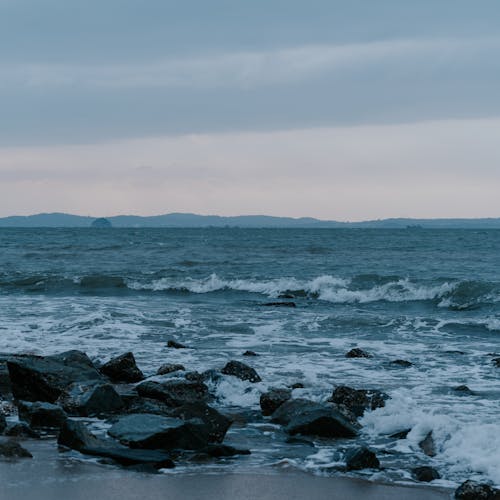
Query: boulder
{"points": [[427, 445], [271, 400], [5, 385], [472, 490], [36, 378], [123, 368], [20, 429], [12, 449], [175, 345], [291, 409], [90, 399], [169, 368], [3, 423], [158, 432], [358, 400], [426, 474], [464, 390], [249, 353], [241, 371], [174, 392], [76, 436], [403, 363], [41, 414], [358, 353], [361, 458]]}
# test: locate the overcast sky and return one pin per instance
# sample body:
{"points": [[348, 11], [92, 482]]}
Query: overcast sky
{"points": [[348, 110]]}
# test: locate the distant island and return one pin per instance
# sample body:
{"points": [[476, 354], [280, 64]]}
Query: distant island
{"points": [[187, 220]]}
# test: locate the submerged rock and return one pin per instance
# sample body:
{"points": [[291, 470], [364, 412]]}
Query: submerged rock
{"points": [[249, 353], [472, 490], [358, 353], [400, 434], [174, 392], [175, 345], [3, 423], [426, 474], [241, 371], [169, 368], [403, 363], [280, 304], [358, 400], [361, 458], [464, 390], [41, 414], [270, 401], [427, 445], [12, 449], [123, 368], [496, 362], [36, 378]]}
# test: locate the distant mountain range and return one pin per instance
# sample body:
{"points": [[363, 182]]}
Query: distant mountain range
{"points": [[256, 221]]}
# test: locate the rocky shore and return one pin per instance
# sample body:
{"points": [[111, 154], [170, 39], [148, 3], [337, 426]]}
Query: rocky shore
{"points": [[152, 423]]}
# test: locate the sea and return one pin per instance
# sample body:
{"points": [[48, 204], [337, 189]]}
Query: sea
{"points": [[428, 296]]}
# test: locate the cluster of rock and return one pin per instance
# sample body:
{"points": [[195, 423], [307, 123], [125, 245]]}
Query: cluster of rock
{"points": [[154, 421]]}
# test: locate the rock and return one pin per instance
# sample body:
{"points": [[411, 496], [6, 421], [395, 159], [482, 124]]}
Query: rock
{"points": [[496, 362], [400, 434], [223, 450], [211, 376], [425, 474], [12, 449], [249, 353], [148, 405], [20, 429], [174, 392], [301, 416], [428, 446], [169, 368], [175, 345], [159, 432], [90, 399], [123, 369], [194, 376], [361, 458], [215, 424], [464, 390], [41, 414], [297, 385], [5, 385], [241, 371], [75, 435], [358, 353], [472, 490], [270, 401], [3, 423], [358, 400], [280, 304], [36, 378], [402, 363]]}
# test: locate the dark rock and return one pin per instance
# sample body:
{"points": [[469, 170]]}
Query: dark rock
{"points": [[215, 424], [496, 362], [402, 363], [211, 376], [175, 345], [361, 458], [358, 400], [249, 353], [280, 304], [169, 368], [428, 446], [147, 405], [463, 389], [174, 392], [123, 369], [194, 376], [297, 385], [20, 429], [41, 414], [401, 434], [90, 399], [358, 353], [241, 371], [472, 490], [270, 401], [5, 385], [3, 423], [37, 378], [159, 432], [426, 474], [12, 449], [222, 450], [301, 416], [286, 296], [75, 435]]}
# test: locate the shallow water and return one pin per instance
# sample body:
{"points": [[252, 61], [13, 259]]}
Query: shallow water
{"points": [[428, 296]]}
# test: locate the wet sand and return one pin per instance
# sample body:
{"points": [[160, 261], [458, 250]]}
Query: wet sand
{"points": [[50, 476]]}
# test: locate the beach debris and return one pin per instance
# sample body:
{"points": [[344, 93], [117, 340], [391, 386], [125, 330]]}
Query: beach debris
{"points": [[358, 353], [123, 368], [241, 371], [425, 474], [271, 400], [361, 458], [358, 400]]}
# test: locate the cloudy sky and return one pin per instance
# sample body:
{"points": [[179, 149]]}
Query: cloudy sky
{"points": [[348, 110]]}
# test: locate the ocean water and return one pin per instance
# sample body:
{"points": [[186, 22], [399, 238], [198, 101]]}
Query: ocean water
{"points": [[428, 296]]}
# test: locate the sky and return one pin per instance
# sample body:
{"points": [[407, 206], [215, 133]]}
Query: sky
{"points": [[346, 110]]}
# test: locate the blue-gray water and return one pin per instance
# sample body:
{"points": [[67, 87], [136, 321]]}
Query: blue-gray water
{"points": [[429, 296]]}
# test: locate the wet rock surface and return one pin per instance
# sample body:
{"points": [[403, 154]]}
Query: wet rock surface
{"points": [[241, 371], [123, 369], [361, 458]]}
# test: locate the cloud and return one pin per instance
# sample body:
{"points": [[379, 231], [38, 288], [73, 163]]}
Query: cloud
{"points": [[268, 67]]}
